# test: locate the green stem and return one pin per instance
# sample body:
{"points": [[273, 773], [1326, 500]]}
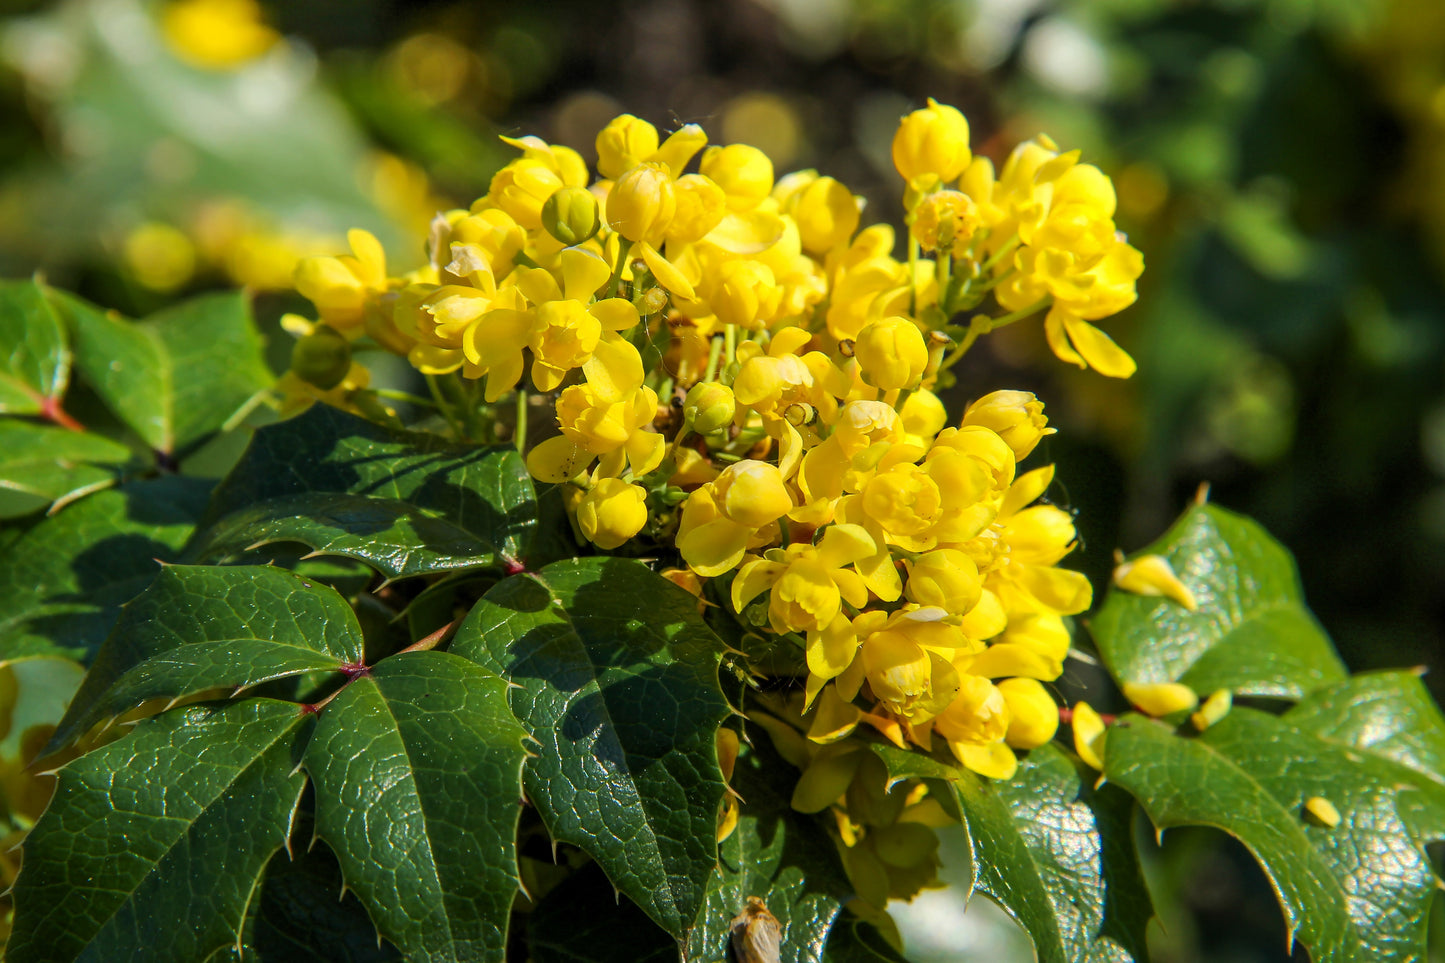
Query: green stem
{"points": [[912, 274], [406, 396], [730, 345], [1000, 254], [624, 250], [714, 351], [443, 405], [520, 434]]}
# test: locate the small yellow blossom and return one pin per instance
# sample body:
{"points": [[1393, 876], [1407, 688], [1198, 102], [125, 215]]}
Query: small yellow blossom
{"points": [[891, 353], [932, 142], [1215, 707], [1161, 698], [611, 512], [1088, 735], [1321, 812], [1017, 417]]}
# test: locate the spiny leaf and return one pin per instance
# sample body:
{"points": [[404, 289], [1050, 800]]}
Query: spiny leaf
{"points": [[1359, 890], [1056, 854], [53, 463], [1251, 633], [783, 858], [616, 678], [63, 579], [416, 503], [207, 627], [418, 772], [153, 845], [34, 359], [177, 376]]}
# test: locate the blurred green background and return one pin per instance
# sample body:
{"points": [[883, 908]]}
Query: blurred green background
{"points": [[1281, 163]]}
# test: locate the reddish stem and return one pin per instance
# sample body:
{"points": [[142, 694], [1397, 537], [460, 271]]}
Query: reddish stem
{"points": [[50, 410], [1066, 716], [433, 640]]}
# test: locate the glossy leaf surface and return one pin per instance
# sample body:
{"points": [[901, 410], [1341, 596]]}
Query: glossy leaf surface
{"points": [[418, 772], [52, 463], [34, 358], [616, 679], [1251, 633]]}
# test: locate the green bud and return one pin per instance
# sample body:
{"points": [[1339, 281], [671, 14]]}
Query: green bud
{"points": [[570, 215], [708, 406], [321, 358]]}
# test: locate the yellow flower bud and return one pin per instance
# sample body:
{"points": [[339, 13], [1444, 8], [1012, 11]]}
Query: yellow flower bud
{"points": [[1016, 416], [521, 188], [944, 220], [570, 215], [1033, 714], [1321, 812], [1216, 707], [701, 206], [1160, 698], [641, 204], [752, 493], [612, 512], [1153, 575], [708, 406], [891, 353], [932, 141], [623, 144], [826, 213], [321, 358], [744, 173], [946, 578]]}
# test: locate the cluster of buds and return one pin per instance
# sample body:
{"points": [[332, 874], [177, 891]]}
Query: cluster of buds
{"points": [[744, 382]]}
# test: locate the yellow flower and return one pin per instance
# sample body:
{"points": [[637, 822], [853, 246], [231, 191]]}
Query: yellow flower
{"points": [[522, 187], [744, 173], [826, 213], [721, 518], [611, 512], [975, 724], [946, 578], [944, 221], [708, 407], [1216, 707], [1089, 735], [341, 286], [641, 204], [1033, 714], [1017, 417], [216, 34], [623, 144], [809, 582], [1161, 698], [932, 142], [891, 353], [571, 215]]}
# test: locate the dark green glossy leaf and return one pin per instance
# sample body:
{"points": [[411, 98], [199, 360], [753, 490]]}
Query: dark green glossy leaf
{"points": [[177, 376], [616, 678], [53, 463], [301, 914], [418, 772], [1252, 632], [1357, 891], [1056, 854], [201, 627], [63, 579], [471, 506], [396, 538], [778, 855], [153, 845], [34, 360]]}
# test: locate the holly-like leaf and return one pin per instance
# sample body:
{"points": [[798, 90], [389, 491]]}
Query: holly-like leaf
{"points": [[199, 627], [63, 579], [1055, 853], [177, 376], [1251, 633], [615, 677], [778, 855], [34, 359], [1356, 891], [56, 463], [302, 912], [153, 845], [418, 773], [415, 503]]}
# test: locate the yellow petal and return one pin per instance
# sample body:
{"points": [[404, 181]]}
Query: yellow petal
{"points": [[1216, 707], [833, 719], [583, 273], [666, 272], [1322, 812], [1098, 349], [1059, 340], [557, 459], [615, 314], [1011, 659], [994, 760], [1160, 698], [753, 579], [1088, 735], [715, 547], [1153, 575], [831, 650], [1025, 489], [615, 369], [844, 544], [825, 780]]}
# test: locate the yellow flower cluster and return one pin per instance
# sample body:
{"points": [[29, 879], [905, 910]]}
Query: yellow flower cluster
{"points": [[745, 378]]}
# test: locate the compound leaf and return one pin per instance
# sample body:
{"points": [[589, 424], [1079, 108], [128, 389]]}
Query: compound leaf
{"points": [[1251, 633], [615, 677], [418, 773], [177, 376], [410, 503], [153, 845], [63, 579], [1359, 890], [1055, 853], [199, 627]]}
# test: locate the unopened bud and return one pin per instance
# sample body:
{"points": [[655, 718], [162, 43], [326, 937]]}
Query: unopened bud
{"points": [[709, 406], [891, 353], [1160, 698], [322, 357], [570, 215], [1016, 416]]}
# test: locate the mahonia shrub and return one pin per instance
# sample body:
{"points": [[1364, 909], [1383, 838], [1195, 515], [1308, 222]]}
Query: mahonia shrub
{"points": [[681, 583]]}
